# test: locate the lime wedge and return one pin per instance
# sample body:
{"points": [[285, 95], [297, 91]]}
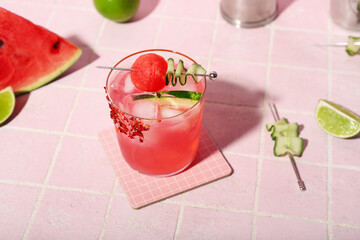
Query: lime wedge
{"points": [[7, 103], [337, 120]]}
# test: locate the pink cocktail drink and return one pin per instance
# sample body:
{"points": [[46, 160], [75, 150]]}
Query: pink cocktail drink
{"points": [[158, 133]]}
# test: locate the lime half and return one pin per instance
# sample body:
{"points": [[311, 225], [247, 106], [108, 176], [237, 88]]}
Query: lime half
{"points": [[337, 120], [7, 103]]}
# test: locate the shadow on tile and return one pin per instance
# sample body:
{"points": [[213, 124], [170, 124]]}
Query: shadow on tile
{"points": [[87, 57], [283, 5], [145, 8], [20, 103], [234, 124]]}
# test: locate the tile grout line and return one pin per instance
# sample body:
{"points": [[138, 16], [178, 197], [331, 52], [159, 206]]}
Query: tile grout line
{"points": [[213, 39], [52, 14], [262, 136], [110, 203], [56, 153], [329, 145], [108, 209], [180, 216], [160, 26], [43, 188], [42, 192]]}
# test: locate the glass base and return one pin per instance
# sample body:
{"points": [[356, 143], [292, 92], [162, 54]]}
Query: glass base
{"points": [[165, 175], [238, 23]]}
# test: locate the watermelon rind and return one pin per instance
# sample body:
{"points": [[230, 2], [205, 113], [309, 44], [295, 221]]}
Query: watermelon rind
{"points": [[48, 78]]}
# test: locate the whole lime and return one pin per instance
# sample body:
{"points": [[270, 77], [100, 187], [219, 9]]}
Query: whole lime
{"points": [[117, 10]]}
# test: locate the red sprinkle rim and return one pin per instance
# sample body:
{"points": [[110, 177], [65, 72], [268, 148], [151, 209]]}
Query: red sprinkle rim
{"points": [[127, 124]]}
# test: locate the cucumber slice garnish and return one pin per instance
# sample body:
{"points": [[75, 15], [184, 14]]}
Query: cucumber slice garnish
{"points": [[293, 145], [184, 94], [351, 48], [286, 137], [170, 71], [178, 76], [195, 69]]}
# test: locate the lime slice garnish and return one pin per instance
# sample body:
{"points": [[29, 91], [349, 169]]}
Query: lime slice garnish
{"points": [[174, 102], [337, 120], [177, 93], [7, 103]]}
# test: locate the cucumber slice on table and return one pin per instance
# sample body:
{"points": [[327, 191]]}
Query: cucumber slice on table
{"points": [[286, 137], [170, 71], [285, 130], [351, 48], [280, 122], [178, 73], [293, 145], [195, 69]]}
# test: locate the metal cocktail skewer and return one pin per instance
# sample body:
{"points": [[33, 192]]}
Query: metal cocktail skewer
{"points": [[212, 75], [339, 44], [292, 160]]}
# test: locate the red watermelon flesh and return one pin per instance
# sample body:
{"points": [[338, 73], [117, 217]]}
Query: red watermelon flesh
{"points": [[149, 72], [30, 55]]}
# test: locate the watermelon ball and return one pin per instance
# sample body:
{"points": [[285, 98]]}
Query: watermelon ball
{"points": [[149, 72]]}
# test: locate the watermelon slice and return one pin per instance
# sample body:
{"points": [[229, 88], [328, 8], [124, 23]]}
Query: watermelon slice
{"points": [[30, 55]]}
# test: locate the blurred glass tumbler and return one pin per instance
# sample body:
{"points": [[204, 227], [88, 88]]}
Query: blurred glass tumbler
{"points": [[346, 13], [248, 13]]}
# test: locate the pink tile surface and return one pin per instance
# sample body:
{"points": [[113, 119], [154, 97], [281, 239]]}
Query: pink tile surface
{"points": [[91, 113], [298, 49], [287, 88], [237, 83], [242, 132], [187, 9], [80, 3], [235, 39], [69, 215], [276, 228], [84, 22], [31, 160], [345, 191], [279, 192], [209, 165], [345, 91], [342, 233], [154, 222], [130, 35], [294, 14], [344, 150], [36, 14], [237, 191], [16, 211], [56, 181], [82, 164], [40, 108], [96, 78], [200, 34], [198, 223]]}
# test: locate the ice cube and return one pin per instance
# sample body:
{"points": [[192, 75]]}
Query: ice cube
{"points": [[169, 112], [122, 83], [146, 108]]}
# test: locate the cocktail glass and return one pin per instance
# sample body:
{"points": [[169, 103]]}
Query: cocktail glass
{"points": [[157, 135]]}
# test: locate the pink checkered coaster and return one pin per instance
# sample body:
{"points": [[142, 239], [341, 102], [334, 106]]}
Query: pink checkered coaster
{"points": [[209, 165]]}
